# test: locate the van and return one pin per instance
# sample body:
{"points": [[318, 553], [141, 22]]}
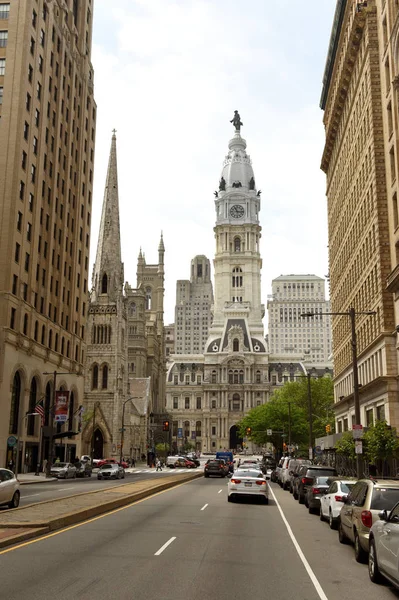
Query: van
{"points": [[170, 461], [228, 458]]}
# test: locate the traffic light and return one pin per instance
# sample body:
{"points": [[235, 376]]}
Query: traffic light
{"points": [[166, 425], [328, 428], [248, 431]]}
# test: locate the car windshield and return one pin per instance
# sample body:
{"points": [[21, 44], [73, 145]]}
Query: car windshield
{"points": [[62, 465], [248, 473], [346, 487], [110, 466], [384, 498]]}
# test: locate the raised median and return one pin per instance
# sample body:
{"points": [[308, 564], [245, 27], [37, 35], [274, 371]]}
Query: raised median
{"points": [[37, 519]]}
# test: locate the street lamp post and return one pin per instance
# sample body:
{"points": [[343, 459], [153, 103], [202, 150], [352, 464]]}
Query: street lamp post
{"points": [[310, 409], [351, 313]]}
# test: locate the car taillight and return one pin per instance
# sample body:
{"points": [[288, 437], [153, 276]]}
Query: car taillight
{"points": [[339, 498], [315, 490], [306, 480], [235, 480], [261, 483], [367, 518]]}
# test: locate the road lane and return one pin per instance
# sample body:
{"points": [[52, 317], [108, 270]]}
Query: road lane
{"points": [[226, 552]]}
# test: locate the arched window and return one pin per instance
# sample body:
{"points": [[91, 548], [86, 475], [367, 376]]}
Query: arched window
{"points": [[43, 334], [148, 298], [93, 334], [94, 380], [109, 333], [235, 376], [62, 345], [187, 429], [237, 244], [36, 331], [25, 328], [241, 376], [50, 339], [32, 404], [56, 342], [15, 403], [213, 403], [132, 309], [105, 377], [230, 376], [71, 410], [198, 429], [257, 378], [236, 345], [68, 348], [213, 377], [237, 277], [104, 284]]}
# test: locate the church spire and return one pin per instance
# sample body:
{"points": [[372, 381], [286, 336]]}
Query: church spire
{"points": [[108, 276]]}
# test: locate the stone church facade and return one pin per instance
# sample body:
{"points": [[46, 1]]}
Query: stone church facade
{"points": [[125, 363]]}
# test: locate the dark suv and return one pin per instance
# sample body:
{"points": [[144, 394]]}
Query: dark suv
{"points": [[216, 466], [306, 474]]}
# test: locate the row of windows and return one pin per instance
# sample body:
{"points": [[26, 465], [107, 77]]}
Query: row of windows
{"points": [[99, 374]]}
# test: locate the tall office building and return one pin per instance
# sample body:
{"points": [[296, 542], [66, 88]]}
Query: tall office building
{"points": [[47, 136], [193, 317], [289, 333], [360, 161]]}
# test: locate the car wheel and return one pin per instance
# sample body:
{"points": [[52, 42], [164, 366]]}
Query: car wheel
{"points": [[284, 486], [312, 510], [291, 490], [306, 503], [360, 554], [294, 493], [230, 499], [98, 477], [374, 572], [341, 535], [15, 500], [331, 521], [74, 476], [321, 515], [206, 475], [301, 499]]}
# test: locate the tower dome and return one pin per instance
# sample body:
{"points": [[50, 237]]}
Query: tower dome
{"points": [[237, 169]]}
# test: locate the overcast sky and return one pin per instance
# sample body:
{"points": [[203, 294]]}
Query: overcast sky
{"points": [[168, 77]]}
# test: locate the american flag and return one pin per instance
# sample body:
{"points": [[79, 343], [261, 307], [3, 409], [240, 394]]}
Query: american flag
{"points": [[40, 410]]}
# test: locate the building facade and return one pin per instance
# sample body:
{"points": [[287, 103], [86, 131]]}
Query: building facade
{"points": [[125, 363], [207, 394], [47, 138], [289, 333], [169, 337], [193, 318], [357, 158]]}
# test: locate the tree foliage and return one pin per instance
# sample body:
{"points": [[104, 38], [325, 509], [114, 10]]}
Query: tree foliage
{"points": [[381, 442], [346, 445], [274, 415]]}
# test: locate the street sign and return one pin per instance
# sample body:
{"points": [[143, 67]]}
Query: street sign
{"points": [[318, 450], [180, 432], [357, 432], [269, 432], [11, 441], [358, 447]]}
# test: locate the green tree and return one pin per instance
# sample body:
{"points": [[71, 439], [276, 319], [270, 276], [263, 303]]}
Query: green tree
{"points": [[381, 442], [346, 445], [162, 448]]}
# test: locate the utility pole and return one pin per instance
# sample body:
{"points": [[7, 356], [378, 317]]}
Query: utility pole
{"points": [[289, 426], [94, 432], [51, 421], [310, 417]]}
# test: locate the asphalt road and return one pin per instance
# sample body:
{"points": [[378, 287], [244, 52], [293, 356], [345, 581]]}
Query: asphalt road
{"points": [[62, 488], [188, 542]]}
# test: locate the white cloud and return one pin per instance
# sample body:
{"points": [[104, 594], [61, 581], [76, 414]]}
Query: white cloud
{"points": [[168, 76]]}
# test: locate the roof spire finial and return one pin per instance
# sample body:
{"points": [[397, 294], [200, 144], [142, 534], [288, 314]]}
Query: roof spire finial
{"points": [[236, 120]]}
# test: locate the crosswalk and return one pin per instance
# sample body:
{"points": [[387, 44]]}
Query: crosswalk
{"points": [[154, 471]]}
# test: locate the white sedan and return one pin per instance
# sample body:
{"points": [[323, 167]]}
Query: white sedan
{"points": [[248, 482], [9, 489], [384, 547], [333, 500]]}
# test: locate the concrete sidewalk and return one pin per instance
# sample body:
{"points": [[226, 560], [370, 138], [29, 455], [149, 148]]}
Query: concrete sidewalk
{"points": [[30, 478], [30, 521]]}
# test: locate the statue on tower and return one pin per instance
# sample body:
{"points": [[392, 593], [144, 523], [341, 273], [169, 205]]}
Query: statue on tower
{"points": [[236, 120]]}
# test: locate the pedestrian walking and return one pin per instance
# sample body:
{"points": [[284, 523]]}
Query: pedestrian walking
{"points": [[158, 465], [133, 462]]}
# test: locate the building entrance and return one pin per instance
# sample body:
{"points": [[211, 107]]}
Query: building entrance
{"points": [[235, 438], [98, 444]]}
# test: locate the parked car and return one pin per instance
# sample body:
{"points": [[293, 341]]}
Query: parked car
{"points": [[306, 474], [315, 492], [288, 469], [193, 459], [171, 460], [185, 463], [278, 469], [63, 470], [111, 471], [9, 489], [114, 461], [249, 482], [332, 502], [367, 498], [293, 474], [215, 466], [384, 547], [83, 469]]}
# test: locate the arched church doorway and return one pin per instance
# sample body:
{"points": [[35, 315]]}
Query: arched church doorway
{"points": [[98, 444], [235, 438]]}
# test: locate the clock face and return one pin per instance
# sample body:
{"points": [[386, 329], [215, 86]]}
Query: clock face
{"points": [[237, 211]]}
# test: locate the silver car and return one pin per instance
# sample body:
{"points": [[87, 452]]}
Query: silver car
{"points": [[63, 470], [384, 547], [111, 471], [9, 489]]}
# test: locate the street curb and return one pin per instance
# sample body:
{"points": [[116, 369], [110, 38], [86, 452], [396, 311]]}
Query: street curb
{"points": [[49, 480], [88, 513]]}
